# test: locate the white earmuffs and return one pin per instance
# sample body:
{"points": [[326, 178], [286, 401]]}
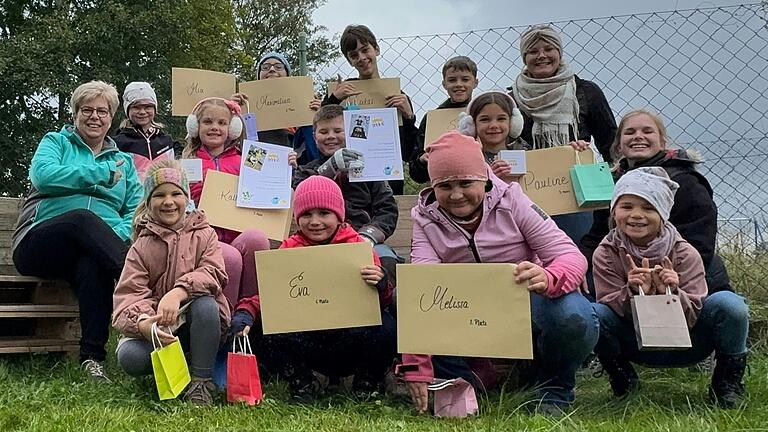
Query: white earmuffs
{"points": [[235, 124], [467, 123]]}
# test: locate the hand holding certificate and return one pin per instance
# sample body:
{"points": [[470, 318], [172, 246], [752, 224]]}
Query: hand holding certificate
{"points": [[375, 134], [265, 176]]}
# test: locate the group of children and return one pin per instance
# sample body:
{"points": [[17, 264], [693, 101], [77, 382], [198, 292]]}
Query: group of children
{"points": [[474, 211]]}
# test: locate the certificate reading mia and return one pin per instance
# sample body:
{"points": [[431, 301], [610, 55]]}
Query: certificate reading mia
{"points": [[265, 176], [374, 132]]}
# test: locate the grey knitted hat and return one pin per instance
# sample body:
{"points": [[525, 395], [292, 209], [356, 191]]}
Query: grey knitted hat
{"points": [[650, 183]]}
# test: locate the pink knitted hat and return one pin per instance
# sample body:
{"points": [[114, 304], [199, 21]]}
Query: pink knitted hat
{"points": [[318, 192], [456, 157]]}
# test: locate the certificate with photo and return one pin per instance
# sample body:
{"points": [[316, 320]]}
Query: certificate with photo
{"points": [[375, 134], [265, 176]]}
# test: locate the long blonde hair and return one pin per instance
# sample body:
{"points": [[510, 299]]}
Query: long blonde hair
{"points": [[142, 214], [615, 154], [194, 143]]}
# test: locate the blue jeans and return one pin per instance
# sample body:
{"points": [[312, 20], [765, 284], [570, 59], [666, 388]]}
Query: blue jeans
{"points": [[722, 327], [199, 337], [574, 225], [565, 331]]}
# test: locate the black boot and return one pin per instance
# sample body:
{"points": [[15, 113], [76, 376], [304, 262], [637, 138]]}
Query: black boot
{"points": [[727, 388], [621, 374]]}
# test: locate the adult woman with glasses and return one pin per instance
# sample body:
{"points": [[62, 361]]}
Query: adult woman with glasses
{"points": [[560, 109], [76, 220], [275, 65]]}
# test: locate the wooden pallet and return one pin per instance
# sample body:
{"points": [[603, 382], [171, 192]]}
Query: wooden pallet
{"points": [[36, 315]]}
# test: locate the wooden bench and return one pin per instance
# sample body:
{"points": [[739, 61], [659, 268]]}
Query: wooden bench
{"points": [[401, 238], [36, 315]]}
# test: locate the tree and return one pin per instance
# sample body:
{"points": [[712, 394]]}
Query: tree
{"points": [[264, 26], [49, 47]]}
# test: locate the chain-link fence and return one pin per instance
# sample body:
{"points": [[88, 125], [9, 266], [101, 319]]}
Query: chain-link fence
{"points": [[704, 70]]}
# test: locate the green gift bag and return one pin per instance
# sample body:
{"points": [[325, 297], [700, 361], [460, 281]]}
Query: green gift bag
{"points": [[592, 184], [169, 366]]}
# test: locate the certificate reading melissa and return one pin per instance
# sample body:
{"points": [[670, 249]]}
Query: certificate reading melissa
{"points": [[374, 132], [265, 176]]}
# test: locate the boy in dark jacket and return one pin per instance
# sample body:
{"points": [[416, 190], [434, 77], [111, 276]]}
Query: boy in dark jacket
{"points": [[359, 47], [370, 206], [459, 80]]}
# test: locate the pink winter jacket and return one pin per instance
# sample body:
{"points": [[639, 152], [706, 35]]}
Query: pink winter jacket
{"points": [[227, 162], [162, 259], [512, 229], [610, 269]]}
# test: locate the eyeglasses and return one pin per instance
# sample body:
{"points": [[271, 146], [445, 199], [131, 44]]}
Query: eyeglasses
{"points": [[100, 113], [267, 66], [147, 107]]}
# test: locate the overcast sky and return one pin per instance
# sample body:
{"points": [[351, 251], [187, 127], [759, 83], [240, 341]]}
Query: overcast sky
{"points": [[419, 17]]}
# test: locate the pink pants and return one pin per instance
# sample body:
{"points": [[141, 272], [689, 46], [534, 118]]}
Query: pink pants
{"points": [[240, 264]]}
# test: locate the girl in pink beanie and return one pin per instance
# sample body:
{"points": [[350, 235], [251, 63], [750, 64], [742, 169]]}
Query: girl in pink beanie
{"points": [[469, 215], [365, 352]]}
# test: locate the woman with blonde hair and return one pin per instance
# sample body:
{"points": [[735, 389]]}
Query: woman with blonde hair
{"points": [[75, 223]]}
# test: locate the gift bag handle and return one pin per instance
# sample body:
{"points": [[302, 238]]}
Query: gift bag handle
{"points": [[578, 160], [247, 106], [154, 336], [642, 293], [245, 344]]}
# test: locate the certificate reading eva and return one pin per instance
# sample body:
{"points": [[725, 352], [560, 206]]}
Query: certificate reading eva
{"points": [[316, 288], [374, 133], [265, 176], [474, 310]]}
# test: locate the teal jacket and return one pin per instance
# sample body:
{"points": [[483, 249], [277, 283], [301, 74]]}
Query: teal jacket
{"points": [[66, 175]]}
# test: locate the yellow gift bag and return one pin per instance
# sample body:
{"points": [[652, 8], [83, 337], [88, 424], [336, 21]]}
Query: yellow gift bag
{"points": [[169, 366]]}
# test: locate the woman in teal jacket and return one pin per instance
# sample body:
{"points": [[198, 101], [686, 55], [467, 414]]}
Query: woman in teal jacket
{"points": [[76, 220]]}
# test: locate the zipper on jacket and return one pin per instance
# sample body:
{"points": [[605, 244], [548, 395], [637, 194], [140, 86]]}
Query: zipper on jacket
{"points": [[173, 255], [470, 239]]}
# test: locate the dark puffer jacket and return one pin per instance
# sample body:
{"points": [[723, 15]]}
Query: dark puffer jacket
{"points": [[694, 213]]}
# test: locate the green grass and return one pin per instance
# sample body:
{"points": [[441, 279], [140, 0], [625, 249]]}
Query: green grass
{"points": [[48, 393]]}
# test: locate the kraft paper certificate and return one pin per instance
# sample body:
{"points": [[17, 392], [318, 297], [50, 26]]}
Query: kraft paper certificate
{"points": [[441, 121], [219, 202], [316, 288], [548, 181], [189, 86], [374, 94], [375, 133], [280, 103], [265, 176], [474, 310]]}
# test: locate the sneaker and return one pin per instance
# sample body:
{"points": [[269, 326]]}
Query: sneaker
{"points": [[621, 374], [95, 370], [727, 388], [200, 392]]}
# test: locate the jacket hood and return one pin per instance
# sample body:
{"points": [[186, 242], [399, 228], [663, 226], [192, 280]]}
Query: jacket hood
{"points": [[69, 131], [427, 204], [193, 221], [344, 234]]}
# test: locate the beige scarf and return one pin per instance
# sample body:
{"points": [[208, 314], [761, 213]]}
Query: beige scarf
{"points": [[552, 104]]}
